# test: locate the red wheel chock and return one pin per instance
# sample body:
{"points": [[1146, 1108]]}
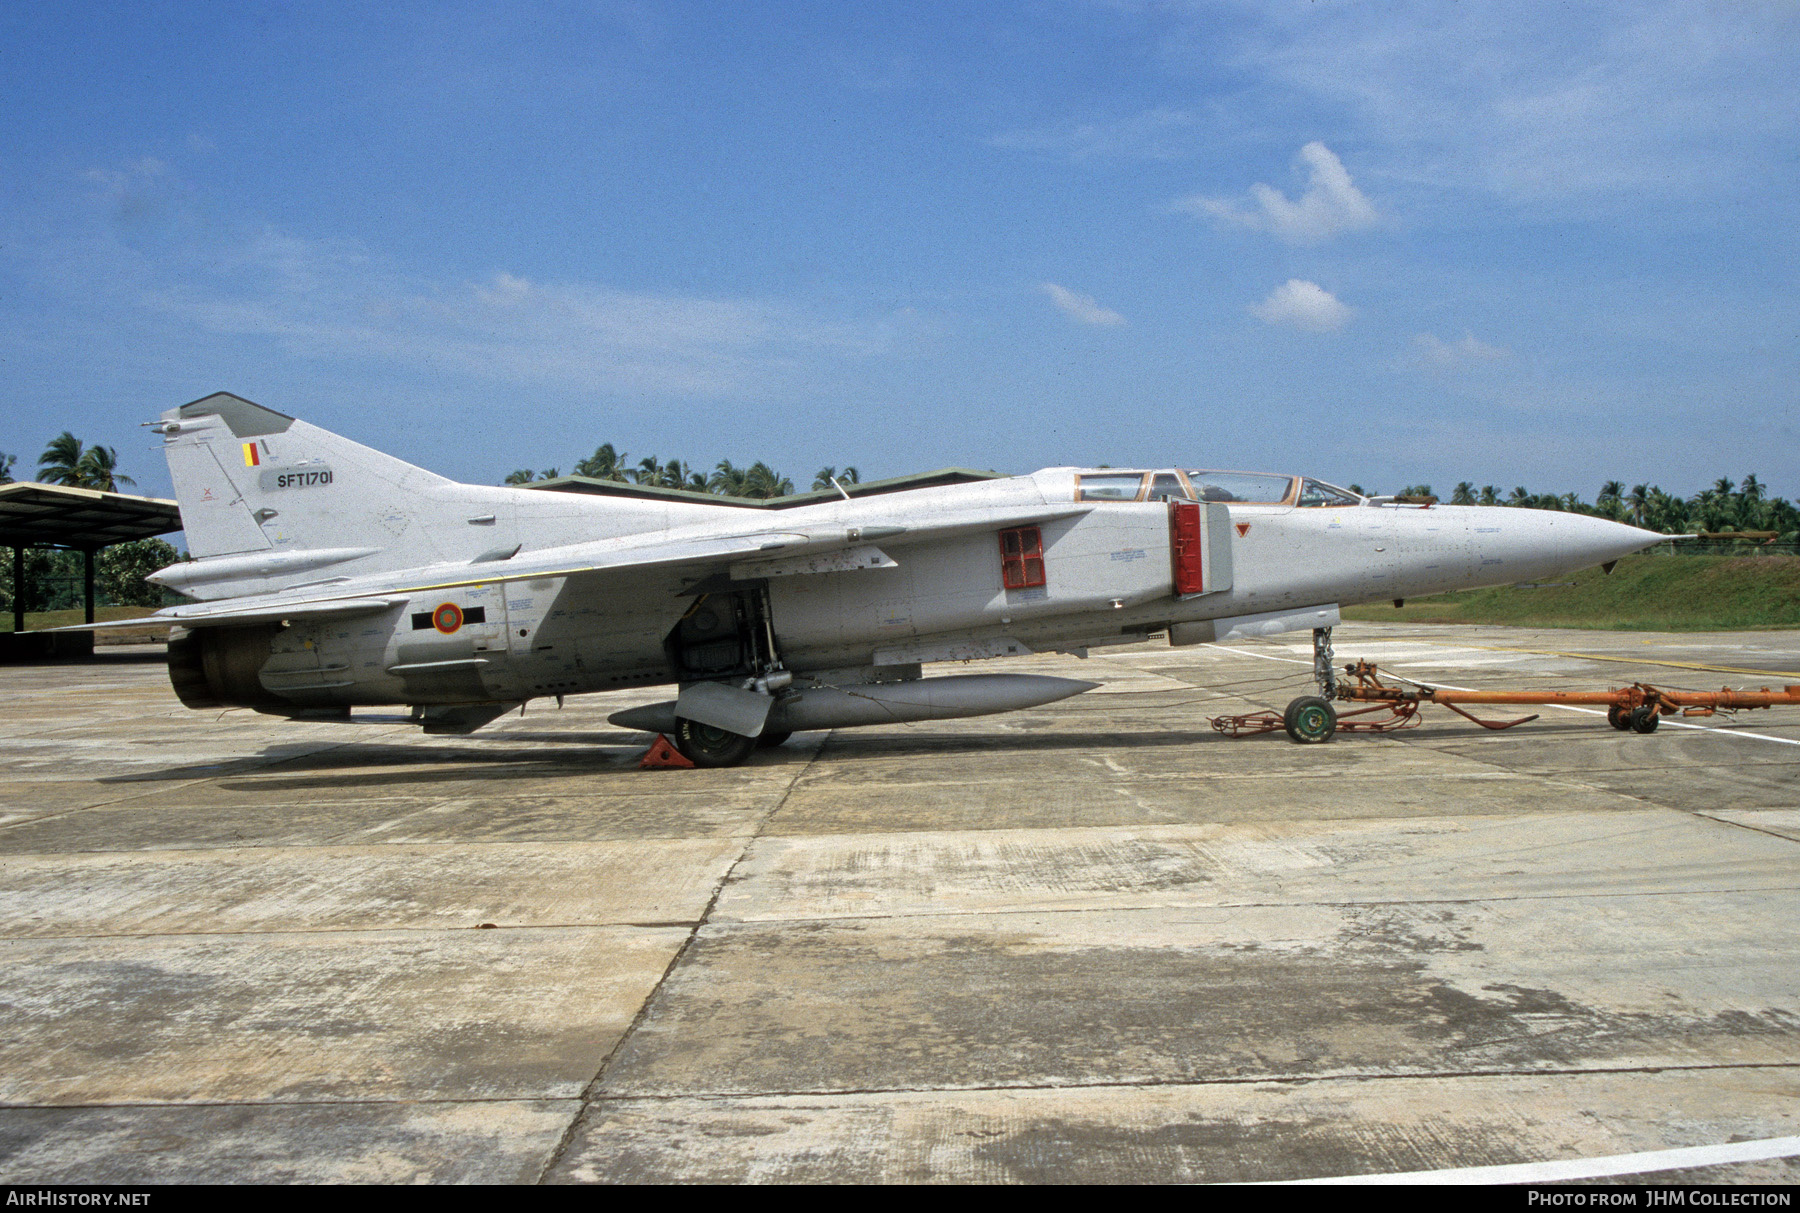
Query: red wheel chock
{"points": [[662, 754]]}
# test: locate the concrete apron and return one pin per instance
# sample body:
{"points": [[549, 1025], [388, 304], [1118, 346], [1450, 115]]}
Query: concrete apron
{"points": [[1088, 941]]}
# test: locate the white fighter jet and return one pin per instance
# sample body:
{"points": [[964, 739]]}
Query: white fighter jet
{"points": [[327, 575]]}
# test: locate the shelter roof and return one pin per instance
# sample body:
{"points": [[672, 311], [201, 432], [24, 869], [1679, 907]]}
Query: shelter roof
{"points": [[56, 515], [868, 488]]}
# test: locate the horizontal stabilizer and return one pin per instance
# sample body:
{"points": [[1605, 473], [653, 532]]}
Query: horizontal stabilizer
{"points": [[244, 611]]}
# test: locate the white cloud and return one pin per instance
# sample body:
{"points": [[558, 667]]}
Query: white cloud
{"points": [[1305, 305], [1331, 203], [333, 300], [1533, 102], [1438, 353], [1082, 308]]}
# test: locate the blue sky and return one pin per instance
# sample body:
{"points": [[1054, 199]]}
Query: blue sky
{"points": [[1511, 243]]}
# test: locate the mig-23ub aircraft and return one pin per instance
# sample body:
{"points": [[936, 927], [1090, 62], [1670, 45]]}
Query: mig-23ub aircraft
{"points": [[328, 574]]}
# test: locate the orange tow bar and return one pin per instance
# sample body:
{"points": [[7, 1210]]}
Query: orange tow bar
{"points": [[1637, 708]]}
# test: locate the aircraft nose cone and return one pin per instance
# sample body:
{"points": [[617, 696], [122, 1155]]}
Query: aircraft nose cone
{"points": [[1513, 544], [1589, 541]]}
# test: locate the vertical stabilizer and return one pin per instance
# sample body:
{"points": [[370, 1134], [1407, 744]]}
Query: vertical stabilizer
{"points": [[268, 501], [250, 479]]}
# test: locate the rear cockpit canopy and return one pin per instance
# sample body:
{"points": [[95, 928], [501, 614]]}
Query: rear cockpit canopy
{"points": [[1175, 484]]}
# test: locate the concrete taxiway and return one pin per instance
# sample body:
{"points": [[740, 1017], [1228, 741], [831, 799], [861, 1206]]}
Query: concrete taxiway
{"points": [[1091, 941]]}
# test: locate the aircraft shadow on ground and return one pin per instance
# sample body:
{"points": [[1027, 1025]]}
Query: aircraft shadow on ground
{"points": [[608, 752], [589, 754]]}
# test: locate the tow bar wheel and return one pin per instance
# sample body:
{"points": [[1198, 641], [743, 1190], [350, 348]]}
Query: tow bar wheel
{"points": [[1310, 720], [1619, 718]]}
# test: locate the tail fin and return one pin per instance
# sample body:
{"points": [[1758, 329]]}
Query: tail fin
{"points": [[250, 479], [268, 502], [266, 498]]}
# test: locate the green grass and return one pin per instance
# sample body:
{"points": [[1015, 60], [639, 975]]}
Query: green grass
{"points": [[1644, 593]]}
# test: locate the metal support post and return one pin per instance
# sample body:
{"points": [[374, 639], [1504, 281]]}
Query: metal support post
{"points": [[1324, 673], [87, 582], [19, 589]]}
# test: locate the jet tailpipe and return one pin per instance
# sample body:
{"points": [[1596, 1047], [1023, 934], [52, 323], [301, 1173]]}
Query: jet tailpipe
{"points": [[217, 667], [886, 702]]}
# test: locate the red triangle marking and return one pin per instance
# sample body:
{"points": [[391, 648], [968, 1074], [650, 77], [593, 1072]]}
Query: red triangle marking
{"points": [[1243, 528]]}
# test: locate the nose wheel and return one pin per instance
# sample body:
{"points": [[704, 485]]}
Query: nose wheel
{"points": [[1310, 720]]}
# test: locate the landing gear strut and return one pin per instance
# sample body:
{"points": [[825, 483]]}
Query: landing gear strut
{"points": [[1324, 673]]}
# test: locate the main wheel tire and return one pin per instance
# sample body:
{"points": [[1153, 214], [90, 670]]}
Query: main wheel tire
{"points": [[1310, 720], [1619, 718], [707, 746], [1644, 719], [769, 741]]}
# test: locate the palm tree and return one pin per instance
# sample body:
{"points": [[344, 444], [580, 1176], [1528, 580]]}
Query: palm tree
{"points": [[761, 480], [1463, 493], [99, 469], [848, 476], [1665, 512], [604, 464], [61, 461], [1637, 501], [520, 476], [1489, 495], [1611, 499], [6, 466], [729, 480]]}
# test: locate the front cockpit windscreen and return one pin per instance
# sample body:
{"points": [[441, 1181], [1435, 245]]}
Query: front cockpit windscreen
{"points": [[1318, 493], [1257, 488], [1110, 486]]}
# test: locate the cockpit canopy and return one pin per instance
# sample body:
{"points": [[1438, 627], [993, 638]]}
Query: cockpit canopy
{"points": [[1176, 484]]}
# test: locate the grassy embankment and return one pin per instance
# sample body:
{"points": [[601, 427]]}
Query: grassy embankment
{"points": [[1644, 593]]}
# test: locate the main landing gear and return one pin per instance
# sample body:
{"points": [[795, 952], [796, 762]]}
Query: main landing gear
{"points": [[725, 637], [707, 746]]}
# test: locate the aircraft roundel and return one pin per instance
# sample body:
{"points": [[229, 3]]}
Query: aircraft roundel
{"points": [[447, 618]]}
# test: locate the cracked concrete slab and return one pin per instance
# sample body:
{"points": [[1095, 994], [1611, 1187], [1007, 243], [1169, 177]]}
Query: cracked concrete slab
{"points": [[351, 1015], [496, 1142], [1199, 1133]]}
